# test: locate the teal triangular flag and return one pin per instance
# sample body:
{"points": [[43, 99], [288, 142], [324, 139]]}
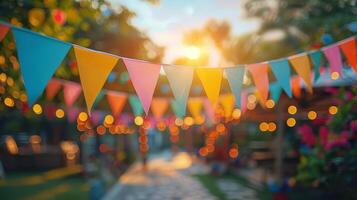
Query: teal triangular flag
{"points": [[235, 77], [98, 98], [275, 92], [281, 70], [316, 58], [180, 79], [39, 58], [179, 108], [136, 105]]}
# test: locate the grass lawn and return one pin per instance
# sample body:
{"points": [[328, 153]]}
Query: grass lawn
{"points": [[72, 187], [210, 182]]}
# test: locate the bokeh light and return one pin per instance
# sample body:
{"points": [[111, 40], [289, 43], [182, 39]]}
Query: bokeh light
{"points": [[59, 113], [333, 110], [37, 109], [291, 122], [292, 109], [311, 115]]}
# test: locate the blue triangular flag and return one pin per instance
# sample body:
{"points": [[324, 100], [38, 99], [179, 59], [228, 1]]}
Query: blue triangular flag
{"points": [[316, 58], [39, 58], [235, 78], [281, 70], [275, 92], [179, 108], [136, 105]]}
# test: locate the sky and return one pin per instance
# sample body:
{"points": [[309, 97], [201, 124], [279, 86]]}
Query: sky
{"points": [[166, 22]]}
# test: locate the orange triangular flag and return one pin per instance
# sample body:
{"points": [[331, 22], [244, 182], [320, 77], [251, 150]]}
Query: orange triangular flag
{"points": [[195, 106], [94, 68], [295, 86], [259, 73], [52, 88], [302, 66], [116, 102], [211, 79], [348, 48], [159, 107]]}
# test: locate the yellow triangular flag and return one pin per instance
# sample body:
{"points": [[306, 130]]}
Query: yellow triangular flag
{"points": [[301, 64], [94, 68], [195, 106], [211, 80], [227, 102]]}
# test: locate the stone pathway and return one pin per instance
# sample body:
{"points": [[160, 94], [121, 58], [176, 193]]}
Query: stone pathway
{"points": [[162, 180], [235, 191]]}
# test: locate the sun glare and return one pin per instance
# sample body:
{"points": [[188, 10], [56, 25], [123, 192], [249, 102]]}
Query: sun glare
{"points": [[192, 52]]}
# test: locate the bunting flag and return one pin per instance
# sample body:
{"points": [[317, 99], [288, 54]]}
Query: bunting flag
{"points": [[235, 77], [296, 87], [159, 107], [116, 102], [144, 77], [210, 109], [71, 91], [3, 31], [227, 102], [72, 114], [39, 58], [52, 88], [333, 56], [195, 107], [94, 68], [316, 59], [301, 64], [178, 108], [180, 80], [244, 101], [275, 92], [281, 70], [136, 105], [259, 73], [211, 80], [348, 48], [98, 98]]}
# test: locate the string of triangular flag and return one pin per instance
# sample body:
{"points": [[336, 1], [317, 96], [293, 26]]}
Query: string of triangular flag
{"points": [[40, 56]]}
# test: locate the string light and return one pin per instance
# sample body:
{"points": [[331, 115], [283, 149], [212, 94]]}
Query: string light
{"points": [[251, 106], [188, 121], [37, 109], [236, 113], [178, 122], [233, 153], [335, 75], [271, 126], [3, 77], [59, 113], [138, 120], [9, 102], [292, 110], [83, 116], [109, 119], [333, 110], [291, 122], [252, 98], [101, 130], [311, 115], [270, 103], [263, 126]]}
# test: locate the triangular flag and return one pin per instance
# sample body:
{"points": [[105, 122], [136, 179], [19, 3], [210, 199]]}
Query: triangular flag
{"points": [[333, 56], [144, 77], [39, 58], [159, 107], [195, 106], [52, 88], [136, 105], [227, 102], [3, 31], [348, 48], [211, 79], [116, 101], [301, 64], [98, 98], [180, 79], [179, 108], [244, 101], [72, 114], [259, 73], [235, 77], [316, 59], [210, 110], [94, 68], [275, 92], [71, 92], [281, 70], [296, 87]]}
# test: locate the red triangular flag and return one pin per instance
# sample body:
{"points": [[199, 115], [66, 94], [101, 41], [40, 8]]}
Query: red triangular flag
{"points": [[71, 92], [116, 101], [348, 48], [3, 31], [53, 86], [144, 77]]}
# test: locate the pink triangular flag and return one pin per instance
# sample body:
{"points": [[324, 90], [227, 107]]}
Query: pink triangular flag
{"points": [[71, 92], [210, 109], [259, 73], [52, 88], [116, 101], [144, 77], [244, 101], [333, 56], [3, 31], [72, 114], [159, 107]]}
